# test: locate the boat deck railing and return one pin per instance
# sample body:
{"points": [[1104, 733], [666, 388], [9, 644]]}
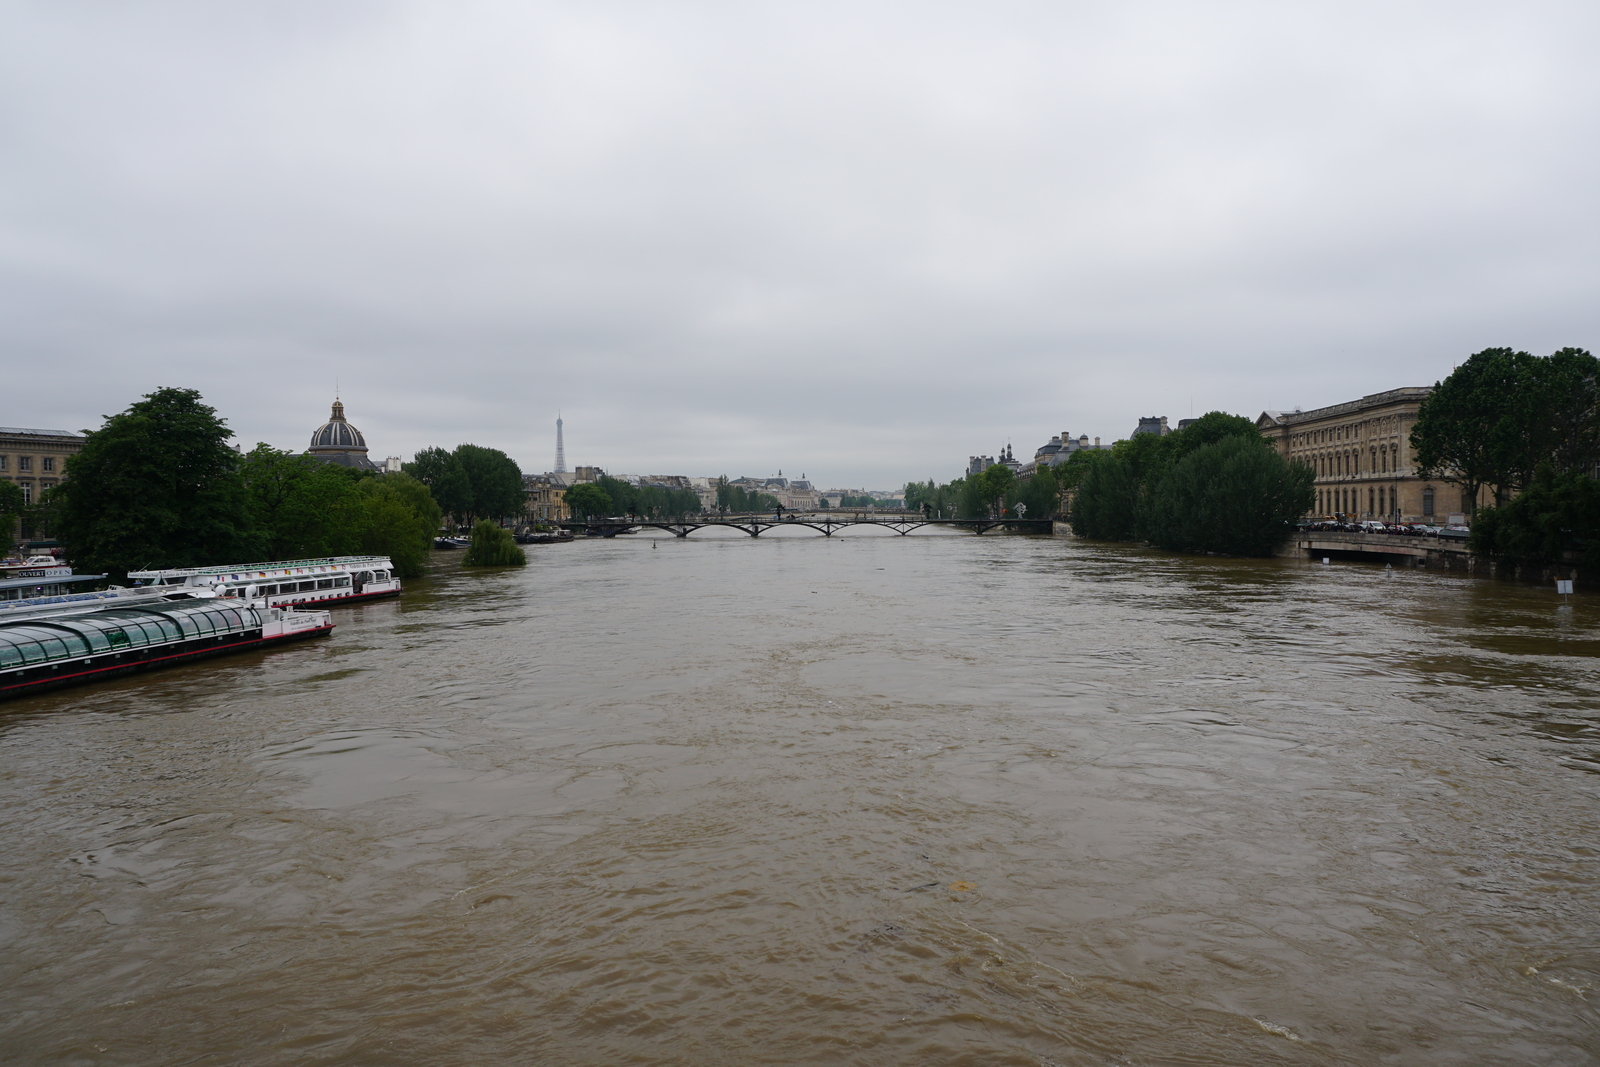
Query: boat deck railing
{"points": [[342, 562]]}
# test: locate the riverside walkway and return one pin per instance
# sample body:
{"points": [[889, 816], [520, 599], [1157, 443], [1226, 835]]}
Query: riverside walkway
{"points": [[900, 523]]}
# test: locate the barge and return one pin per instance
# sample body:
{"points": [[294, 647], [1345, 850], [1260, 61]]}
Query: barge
{"points": [[71, 647]]}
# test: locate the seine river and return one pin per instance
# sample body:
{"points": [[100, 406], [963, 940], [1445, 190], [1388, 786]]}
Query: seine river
{"points": [[871, 800]]}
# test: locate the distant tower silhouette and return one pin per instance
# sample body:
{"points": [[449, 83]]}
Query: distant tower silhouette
{"points": [[561, 451]]}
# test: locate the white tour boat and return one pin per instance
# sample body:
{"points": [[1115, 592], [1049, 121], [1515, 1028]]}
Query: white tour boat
{"points": [[291, 583]]}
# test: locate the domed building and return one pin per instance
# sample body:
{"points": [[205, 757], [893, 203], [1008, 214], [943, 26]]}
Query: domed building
{"points": [[336, 441]]}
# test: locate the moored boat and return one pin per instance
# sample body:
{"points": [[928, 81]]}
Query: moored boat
{"points": [[335, 580], [71, 648], [557, 537], [45, 568]]}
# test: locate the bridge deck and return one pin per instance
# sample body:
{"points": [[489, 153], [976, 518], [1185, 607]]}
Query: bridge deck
{"points": [[827, 526]]}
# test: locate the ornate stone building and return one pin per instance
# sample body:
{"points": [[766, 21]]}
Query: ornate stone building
{"points": [[1361, 452], [545, 497]]}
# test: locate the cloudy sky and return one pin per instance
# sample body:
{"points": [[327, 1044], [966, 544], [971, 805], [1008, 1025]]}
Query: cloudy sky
{"points": [[856, 240]]}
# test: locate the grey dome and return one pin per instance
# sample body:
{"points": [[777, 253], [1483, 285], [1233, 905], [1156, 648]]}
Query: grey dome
{"points": [[337, 435]]}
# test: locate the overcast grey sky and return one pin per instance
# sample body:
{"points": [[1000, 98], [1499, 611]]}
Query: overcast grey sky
{"points": [[856, 240]]}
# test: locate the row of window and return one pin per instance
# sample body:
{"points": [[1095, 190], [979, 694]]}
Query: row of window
{"points": [[25, 463], [27, 487], [310, 585], [1328, 464], [1382, 500], [26, 642], [1388, 424]]}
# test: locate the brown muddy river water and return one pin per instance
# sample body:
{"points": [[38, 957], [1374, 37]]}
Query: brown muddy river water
{"points": [[871, 800]]}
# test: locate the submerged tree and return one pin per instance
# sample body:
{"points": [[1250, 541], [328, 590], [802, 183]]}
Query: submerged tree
{"points": [[1215, 486], [493, 546], [1557, 513], [1233, 496], [1106, 504]]}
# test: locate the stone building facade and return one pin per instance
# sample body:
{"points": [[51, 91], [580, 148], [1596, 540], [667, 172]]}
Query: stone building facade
{"points": [[545, 497], [1361, 452], [36, 459]]}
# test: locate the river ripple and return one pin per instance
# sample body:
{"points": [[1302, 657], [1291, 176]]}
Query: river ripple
{"points": [[870, 800]]}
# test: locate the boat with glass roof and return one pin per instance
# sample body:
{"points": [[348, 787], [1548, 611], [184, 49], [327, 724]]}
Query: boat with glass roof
{"points": [[68, 648], [334, 580]]}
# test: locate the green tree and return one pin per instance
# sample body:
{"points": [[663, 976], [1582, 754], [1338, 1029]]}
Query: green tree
{"points": [[1571, 403], [737, 499], [300, 507], [1041, 492], [1208, 429], [441, 471], [1559, 511], [11, 505], [1120, 495], [587, 501], [1474, 429], [1070, 473], [1106, 504], [398, 518], [1231, 496], [997, 483], [156, 486], [495, 480], [493, 546], [972, 497]]}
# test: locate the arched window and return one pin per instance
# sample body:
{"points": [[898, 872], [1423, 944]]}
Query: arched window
{"points": [[1372, 505], [1427, 501]]}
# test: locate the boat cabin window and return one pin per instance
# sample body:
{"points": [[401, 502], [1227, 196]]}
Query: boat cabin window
{"points": [[341, 583], [268, 590], [324, 583]]}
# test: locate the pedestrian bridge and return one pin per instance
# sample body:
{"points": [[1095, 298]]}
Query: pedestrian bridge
{"points": [[827, 526]]}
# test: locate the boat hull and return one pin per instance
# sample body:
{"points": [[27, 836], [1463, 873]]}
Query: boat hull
{"points": [[46, 677], [312, 601]]}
